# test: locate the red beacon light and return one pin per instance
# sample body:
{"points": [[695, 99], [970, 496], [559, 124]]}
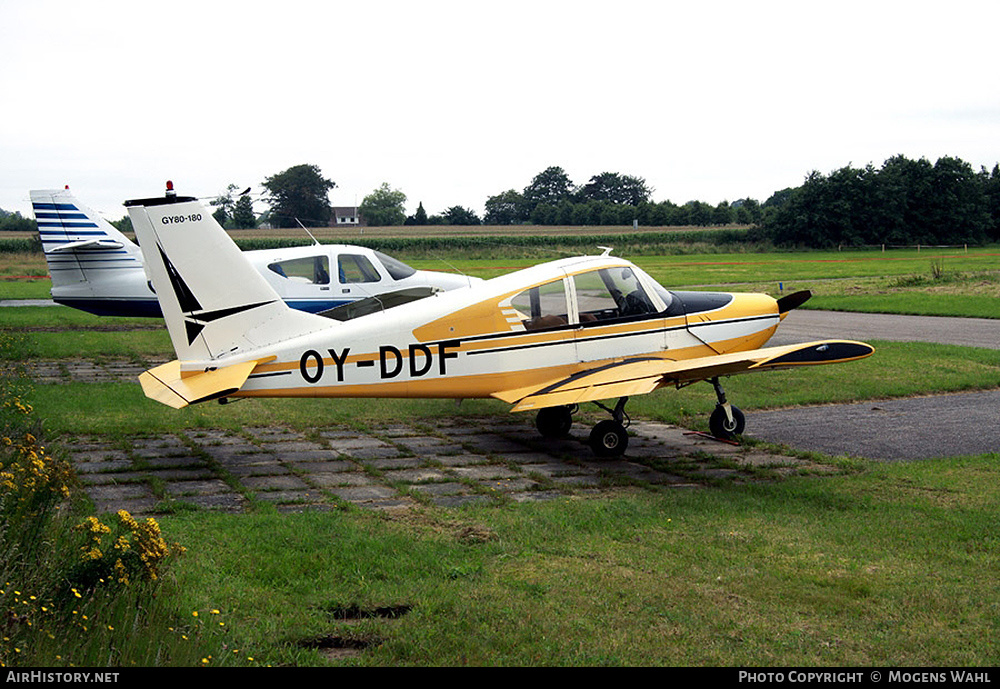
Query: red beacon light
{"points": [[170, 188]]}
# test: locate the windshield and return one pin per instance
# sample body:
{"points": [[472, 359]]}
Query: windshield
{"points": [[396, 268], [609, 293], [666, 295]]}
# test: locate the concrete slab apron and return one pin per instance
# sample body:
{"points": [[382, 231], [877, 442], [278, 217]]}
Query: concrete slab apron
{"points": [[396, 466]]}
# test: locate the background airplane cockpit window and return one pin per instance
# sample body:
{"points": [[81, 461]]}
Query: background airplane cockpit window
{"points": [[311, 269], [356, 268], [397, 269]]}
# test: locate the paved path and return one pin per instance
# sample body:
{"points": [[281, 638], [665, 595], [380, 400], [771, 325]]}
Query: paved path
{"points": [[902, 429], [398, 466], [906, 429], [803, 325], [443, 462], [27, 302]]}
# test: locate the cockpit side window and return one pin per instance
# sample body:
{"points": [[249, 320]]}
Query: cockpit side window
{"points": [[353, 268], [610, 293], [309, 270], [543, 306]]}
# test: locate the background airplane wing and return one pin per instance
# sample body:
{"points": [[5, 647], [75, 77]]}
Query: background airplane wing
{"points": [[639, 376]]}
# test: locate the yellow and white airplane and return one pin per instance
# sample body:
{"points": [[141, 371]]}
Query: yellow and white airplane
{"points": [[544, 339]]}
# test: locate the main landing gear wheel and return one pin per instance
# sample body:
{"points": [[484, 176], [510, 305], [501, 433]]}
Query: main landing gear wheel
{"points": [[554, 422], [609, 439], [722, 427]]}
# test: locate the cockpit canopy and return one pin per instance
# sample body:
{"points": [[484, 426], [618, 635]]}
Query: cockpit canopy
{"points": [[603, 295], [352, 268], [595, 296]]}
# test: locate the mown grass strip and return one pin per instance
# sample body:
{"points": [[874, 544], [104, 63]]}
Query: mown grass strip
{"points": [[913, 303]]}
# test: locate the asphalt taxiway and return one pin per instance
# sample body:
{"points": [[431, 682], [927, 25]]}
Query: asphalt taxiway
{"points": [[903, 429], [803, 325]]}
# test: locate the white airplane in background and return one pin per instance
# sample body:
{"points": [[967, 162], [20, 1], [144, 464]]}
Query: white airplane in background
{"points": [[96, 268], [544, 339]]}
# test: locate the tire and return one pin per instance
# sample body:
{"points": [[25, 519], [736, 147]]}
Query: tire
{"points": [[554, 422], [720, 427], [609, 439]]}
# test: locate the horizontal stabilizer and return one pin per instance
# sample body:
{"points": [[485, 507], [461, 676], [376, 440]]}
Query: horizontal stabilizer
{"points": [[87, 245], [168, 385], [638, 376]]}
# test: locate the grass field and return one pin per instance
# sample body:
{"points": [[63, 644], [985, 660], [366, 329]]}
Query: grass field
{"points": [[935, 282], [866, 564]]}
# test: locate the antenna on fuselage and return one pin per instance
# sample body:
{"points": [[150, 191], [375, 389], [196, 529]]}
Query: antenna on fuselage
{"points": [[607, 250], [315, 241]]}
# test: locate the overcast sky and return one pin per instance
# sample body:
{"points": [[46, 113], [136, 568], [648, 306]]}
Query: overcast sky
{"points": [[453, 102]]}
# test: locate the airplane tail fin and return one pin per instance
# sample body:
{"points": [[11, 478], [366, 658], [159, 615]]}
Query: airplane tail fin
{"points": [[79, 245], [219, 309]]}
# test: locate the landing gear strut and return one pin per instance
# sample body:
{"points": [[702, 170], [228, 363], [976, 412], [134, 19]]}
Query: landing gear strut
{"points": [[726, 421], [608, 438]]}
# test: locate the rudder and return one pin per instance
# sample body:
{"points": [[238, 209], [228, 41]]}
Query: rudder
{"points": [[215, 303]]}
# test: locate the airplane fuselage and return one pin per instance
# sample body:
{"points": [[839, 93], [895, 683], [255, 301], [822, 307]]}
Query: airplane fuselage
{"points": [[442, 347], [116, 285]]}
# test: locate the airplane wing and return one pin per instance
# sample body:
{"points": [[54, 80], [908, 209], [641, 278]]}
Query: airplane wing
{"points": [[169, 385], [642, 375]]}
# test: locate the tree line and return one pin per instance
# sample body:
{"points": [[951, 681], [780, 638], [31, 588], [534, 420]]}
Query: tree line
{"points": [[15, 222], [551, 198], [904, 201], [608, 198]]}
